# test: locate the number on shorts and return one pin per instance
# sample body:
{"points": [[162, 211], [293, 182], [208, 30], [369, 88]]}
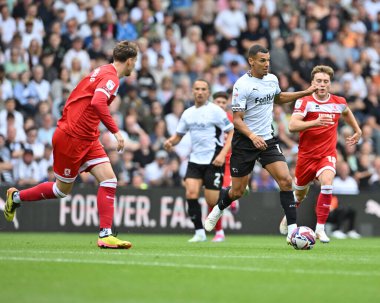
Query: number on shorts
{"points": [[217, 179], [332, 160]]}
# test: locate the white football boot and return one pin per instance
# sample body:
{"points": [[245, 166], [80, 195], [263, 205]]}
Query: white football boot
{"points": [[321, 235], [283, 226], [213, 218]]}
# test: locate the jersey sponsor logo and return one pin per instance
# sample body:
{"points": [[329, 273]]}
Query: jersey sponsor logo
{"points": [[268, 99], [110, 85], [195, 126], [332, 116]]}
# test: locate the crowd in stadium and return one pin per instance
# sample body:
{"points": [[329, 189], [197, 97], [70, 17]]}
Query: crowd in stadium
{"points": [[48, 46]]}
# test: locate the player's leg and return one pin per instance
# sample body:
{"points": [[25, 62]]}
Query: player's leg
{"points": [[305, 173], [193, 187], [280, 172], [326, 177], [105, 201], [211, 196], [226, 196], [66, 165], [213, 180], [234, 207], [98, 164]]}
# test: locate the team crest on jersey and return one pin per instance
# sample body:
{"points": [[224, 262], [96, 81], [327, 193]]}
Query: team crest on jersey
{"points": [[67, 172], [110, 84], [298, 104]]}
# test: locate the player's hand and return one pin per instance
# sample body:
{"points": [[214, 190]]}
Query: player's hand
{"points": [[324, 121], [168, 145], [219, 160], [354, 139], [120, 141], [313, 88], [258, 142]]}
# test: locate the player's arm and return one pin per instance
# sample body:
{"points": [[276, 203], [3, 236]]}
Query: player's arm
{"points": [[286, 97], [297, 124], [172, 141], [349, 118], [221, 157], [238, 119], [99, 104]]}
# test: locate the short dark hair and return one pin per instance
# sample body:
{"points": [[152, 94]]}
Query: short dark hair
{"points": [[255, 49], [220, 95], [203, 80], [125, 50]]}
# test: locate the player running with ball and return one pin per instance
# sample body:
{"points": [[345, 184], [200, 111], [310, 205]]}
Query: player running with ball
{"points": [[316, 118]]}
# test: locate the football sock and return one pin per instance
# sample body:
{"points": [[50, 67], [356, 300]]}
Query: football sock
{"points": [[224, 198], [289, 206], [218, 225], [43, 191], [323, 203], [106, 200], [195, 213], [105, 232]]}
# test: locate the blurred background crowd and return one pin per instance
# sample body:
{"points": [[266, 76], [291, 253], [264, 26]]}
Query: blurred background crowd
{"points": [[48, 46]]}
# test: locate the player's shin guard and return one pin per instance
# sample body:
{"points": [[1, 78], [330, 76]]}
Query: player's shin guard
{"points": [[224, 198], [195, 213], [218, 225], [289, 206], [106, 200], [43, 191], [323, 204]]}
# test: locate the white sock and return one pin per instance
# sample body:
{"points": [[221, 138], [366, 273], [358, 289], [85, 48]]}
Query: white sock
{"points": [[105, 232], [16, 197], [291, 228], [320, 227], [219, 233], [200, 232]]}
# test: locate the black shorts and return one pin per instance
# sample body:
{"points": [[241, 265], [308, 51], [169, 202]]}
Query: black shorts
{"points": [[211, 175], [245, 154]]}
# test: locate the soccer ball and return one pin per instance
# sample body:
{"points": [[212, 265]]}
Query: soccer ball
{"points": [[303, 238]]}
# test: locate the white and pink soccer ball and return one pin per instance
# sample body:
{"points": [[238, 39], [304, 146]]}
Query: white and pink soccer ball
{"points": [[303, 238]]}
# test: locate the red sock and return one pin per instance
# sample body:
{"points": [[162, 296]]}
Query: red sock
{"points": [[218, 225], [39, 192], [106, 199], [323, 204]]}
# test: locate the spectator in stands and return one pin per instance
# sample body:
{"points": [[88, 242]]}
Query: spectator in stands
{"points": [[25, 170], [338, 216], [32, 143], [343, 183], [6, 166], [158, 172]]}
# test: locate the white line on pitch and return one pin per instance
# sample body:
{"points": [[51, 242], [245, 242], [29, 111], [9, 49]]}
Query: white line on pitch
{"points": [[302, 255], [193, 266]]}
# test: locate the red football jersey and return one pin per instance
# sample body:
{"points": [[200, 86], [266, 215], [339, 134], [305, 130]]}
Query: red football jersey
{"points": [[82, 112], [319, 142]]}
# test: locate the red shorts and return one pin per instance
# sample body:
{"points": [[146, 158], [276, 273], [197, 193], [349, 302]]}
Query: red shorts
{"points": [[308, 169], [72, 156]]}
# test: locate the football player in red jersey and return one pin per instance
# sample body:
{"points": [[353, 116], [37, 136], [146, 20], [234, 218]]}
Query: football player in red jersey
{"points": [[76, 146], [316, 118]]}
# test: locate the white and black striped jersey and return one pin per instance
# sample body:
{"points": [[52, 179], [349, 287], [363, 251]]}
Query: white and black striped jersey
{"points": [[255, 97], [205, 125]]}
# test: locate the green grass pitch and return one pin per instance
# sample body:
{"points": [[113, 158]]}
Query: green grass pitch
{"points": [[57, 267]]}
